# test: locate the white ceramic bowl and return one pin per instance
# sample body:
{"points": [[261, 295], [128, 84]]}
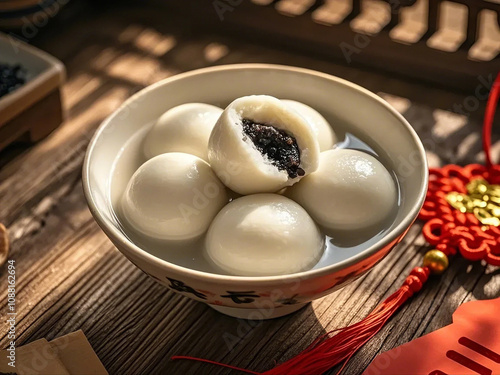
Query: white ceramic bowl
{"points": [[363, 113]]}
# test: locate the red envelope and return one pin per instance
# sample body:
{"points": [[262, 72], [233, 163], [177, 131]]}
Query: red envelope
{"points": [[471, 345]]}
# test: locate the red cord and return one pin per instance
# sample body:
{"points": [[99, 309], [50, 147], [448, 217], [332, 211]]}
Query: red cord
{"points": [[213, 363], [488, 119]]}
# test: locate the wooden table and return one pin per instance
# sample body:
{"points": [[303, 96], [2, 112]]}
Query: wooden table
{"points": [[70, 276]]}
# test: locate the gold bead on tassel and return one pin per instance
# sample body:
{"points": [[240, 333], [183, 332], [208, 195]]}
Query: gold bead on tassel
{"points": [[436, 261]]}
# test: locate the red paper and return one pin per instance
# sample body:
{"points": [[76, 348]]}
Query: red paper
{"points": [[471, 345]]}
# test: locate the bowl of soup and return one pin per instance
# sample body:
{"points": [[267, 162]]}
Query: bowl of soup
{"points": [[255, 188]]}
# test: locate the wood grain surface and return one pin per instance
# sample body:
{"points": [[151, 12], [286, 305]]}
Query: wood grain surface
{"points": [[69, 275]]}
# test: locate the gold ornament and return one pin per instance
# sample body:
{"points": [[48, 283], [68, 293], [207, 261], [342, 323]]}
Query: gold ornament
{"points": [[482, 199], [436, 261]]}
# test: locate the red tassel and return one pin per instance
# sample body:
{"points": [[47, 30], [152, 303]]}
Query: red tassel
{"points": [[328, 351]]}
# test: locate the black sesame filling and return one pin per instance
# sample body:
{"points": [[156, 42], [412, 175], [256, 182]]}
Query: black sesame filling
{"points": [[280, 147]]}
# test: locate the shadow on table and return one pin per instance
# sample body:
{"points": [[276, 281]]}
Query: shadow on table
{"points": [[477, 278], [11, 152], [253, 345]]}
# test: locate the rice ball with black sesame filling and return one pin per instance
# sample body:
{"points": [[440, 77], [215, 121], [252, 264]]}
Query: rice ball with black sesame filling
{"points": [[272, 145]]}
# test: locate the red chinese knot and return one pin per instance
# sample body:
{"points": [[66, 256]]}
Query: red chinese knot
{"points": [[449, 229]]}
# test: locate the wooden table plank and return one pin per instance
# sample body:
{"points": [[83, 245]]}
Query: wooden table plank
{"points": [[70, 276]]}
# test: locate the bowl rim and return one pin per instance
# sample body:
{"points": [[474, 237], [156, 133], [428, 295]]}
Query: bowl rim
{"points": [[117, 236]]}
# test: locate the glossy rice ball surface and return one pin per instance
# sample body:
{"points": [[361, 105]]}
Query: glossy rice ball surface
{"points": [[185, 128], [173, 196], [263, 235], [351, 190]]}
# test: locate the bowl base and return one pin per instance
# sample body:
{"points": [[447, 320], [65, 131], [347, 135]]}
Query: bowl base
{"points": [[258, 314]]}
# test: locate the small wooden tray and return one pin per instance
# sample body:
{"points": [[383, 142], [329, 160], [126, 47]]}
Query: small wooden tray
{"points": [[33, 110]]}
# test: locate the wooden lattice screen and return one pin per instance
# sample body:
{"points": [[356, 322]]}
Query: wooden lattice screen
{"points": [[453, 43]]}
